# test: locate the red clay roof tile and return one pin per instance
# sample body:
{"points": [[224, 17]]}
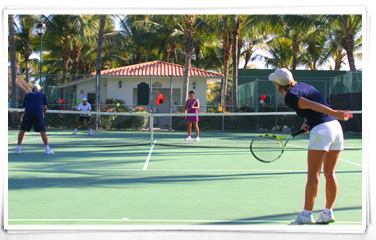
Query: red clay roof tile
{"points": [[157, 68]]}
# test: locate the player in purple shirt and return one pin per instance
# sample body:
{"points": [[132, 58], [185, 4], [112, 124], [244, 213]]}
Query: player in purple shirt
{"points": [[325, 143], [35, 104], [191, 106]]}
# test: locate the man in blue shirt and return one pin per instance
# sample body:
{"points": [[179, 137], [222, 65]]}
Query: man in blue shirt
{"points": [[35, 104]]}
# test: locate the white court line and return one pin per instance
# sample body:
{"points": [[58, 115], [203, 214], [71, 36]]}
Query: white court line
{"points": [[163, 170], [26, 140], [149, 155], [343, 160], [156, 170], [164, 220]]}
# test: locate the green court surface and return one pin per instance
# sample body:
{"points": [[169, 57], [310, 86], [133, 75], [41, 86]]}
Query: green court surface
{"points": [[162, 185]]}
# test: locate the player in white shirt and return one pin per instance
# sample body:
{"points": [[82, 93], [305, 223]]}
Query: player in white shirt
{"points": [[85, 107]]}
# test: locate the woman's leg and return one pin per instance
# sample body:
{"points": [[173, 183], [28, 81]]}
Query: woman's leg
{"points": [[195, 124], [315, 160], [189, 128], [330, 164]]}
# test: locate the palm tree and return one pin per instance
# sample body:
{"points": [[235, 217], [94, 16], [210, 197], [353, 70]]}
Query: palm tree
{"points": [[113, 41], [139, 39], [256, 32], [204, 38], [172, 27], [224, 25], [240, 31], [63, 31], [235, 58], [88, 39], [188, 24], [316, 52], [12, 53], [294, 27], [24, 41], [348, 26], [98, 66], [169, 35], [280, 51]]}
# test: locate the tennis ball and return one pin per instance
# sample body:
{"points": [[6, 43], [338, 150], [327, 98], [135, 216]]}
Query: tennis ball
{"points": [[117, 104]]}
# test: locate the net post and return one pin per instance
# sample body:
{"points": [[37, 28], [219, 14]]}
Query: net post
{"points": [[170, 123], [151, 123], [97, 96], [151, 116], [150, 93]]}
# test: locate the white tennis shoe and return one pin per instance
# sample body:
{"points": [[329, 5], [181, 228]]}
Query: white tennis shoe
{"points": [[303, 219], [75, 132], [326, 218], [49, 152], [18, 151], [198, 139], [91, 132], [188, 138]]}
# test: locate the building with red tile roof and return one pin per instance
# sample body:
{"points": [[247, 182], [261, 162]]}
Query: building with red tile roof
{"points": [[133, 84]]}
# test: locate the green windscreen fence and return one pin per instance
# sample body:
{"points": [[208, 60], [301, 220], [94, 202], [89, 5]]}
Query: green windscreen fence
{"points": [[351, 82], [258, 87]]}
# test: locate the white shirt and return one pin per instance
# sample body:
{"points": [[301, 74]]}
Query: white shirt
{"points": [[84, 108]]}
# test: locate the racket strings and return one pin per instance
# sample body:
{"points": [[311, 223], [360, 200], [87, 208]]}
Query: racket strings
{"points": [[267, 148]]}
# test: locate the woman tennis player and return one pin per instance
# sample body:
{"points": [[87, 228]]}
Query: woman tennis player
{"points": [[191, 106], [325, 143]]}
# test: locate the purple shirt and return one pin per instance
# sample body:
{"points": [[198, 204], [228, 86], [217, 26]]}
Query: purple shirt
{"points": [[189, 104]]}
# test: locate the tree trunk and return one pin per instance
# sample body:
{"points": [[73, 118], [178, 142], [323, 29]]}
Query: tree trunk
{"points": [[197, 55], [12, 52], [168, 53], [226, 61], [338, 60], [348, 45], [235, 64], [188, 45], [174, 52], [27, 58], [76, 54], [66, 56], [248, 55], [295, 49], [98, 66]]}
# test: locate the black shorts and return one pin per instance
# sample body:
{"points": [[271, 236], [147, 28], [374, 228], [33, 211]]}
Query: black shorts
{"points": [[82, 118], [33, 119]]}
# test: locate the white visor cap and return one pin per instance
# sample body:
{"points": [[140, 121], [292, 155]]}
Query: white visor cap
{"points": [[282, 76]]}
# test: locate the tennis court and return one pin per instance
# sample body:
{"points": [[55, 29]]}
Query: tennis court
{"points": [[161, 184]]}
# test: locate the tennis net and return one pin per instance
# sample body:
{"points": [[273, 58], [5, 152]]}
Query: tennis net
{"points": [[224, 130]]}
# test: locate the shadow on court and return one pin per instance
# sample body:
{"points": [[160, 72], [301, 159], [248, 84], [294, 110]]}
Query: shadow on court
{"points": [[101, 179], [276, 217]]}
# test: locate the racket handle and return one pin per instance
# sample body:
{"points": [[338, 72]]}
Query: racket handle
{"points": [[296, 133]]}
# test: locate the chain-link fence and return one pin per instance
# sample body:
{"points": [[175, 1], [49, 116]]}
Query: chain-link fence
{"points": [[165, 94]]}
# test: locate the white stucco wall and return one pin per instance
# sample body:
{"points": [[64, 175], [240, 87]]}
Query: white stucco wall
{"points": [[110, 88], [86, 87]]}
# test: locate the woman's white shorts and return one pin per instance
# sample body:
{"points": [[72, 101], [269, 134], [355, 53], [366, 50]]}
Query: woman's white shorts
{"points": [[326, 136]]}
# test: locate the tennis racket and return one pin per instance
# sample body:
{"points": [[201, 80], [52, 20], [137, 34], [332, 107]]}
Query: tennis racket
{"points": [[194, 103], [191, 107], [267, 148]]}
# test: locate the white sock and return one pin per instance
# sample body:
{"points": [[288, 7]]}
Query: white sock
{"points": [[47, 147], [306, 212], [18, 147], [327, 210]]}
